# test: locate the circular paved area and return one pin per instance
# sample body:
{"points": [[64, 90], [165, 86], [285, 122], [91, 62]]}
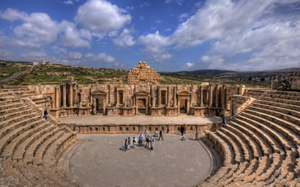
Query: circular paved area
{"points": [[100, 160]]}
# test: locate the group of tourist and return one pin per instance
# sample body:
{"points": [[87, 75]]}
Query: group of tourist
{"points": [[148, 139]]}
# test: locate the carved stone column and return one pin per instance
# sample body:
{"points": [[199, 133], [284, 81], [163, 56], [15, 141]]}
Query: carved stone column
{"points": [[152, 96], [159, 96], [217, 94], [223, 96], [71, 95], [210, 95], [168, 96], [56, 97], [226, 97], [118, 97], [136, 106], [174, 96], [64, 96], [201, 95], [94, 105]]}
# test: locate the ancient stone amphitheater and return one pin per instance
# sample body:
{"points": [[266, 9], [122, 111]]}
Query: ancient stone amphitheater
{"points": [[259, 146]]}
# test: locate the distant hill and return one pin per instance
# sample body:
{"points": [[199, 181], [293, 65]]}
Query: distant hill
{"points": [[203, 72]]}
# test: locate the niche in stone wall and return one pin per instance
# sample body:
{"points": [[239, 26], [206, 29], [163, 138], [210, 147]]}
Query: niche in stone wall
{"points": [[163, 97], [121, 95]]}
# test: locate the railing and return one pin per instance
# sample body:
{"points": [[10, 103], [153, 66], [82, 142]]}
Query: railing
{"points": [[287, 76]]}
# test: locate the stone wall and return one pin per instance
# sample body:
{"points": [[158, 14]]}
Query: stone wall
{"points": [[70, 98], [296, 84]]}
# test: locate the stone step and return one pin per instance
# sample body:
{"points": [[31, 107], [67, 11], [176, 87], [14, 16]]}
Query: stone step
{"points": [[290, 93], [15, 100], [280, 100], [242, 168], [4, 114], [282, 132], [11, 105], [282, 96], [255, 134], [271, 135], [13, 133], [227, 153], [20, 180], [278, 109], [16, 119], [11, 148], [275, 164], [10, 127], [245, 148], [279, 118], [25, 145], [50, 158], [255, 149], [238, 154], [264, 163], [34, 143], [280, 105], [40, 152]]}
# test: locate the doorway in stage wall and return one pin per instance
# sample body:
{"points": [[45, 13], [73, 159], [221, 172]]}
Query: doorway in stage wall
{"points": [[99, 105], [183, 106], [142, 106]]}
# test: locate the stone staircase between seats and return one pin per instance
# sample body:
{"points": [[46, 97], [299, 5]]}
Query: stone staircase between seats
{"points": [[29, 145], [263, 142]]}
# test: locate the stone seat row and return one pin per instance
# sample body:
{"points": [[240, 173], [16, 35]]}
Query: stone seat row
{"points": [[30, 146], [265, 146]]}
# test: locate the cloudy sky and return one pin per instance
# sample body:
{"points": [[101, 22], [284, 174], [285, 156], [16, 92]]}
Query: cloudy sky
{"points": [[170, 35]]}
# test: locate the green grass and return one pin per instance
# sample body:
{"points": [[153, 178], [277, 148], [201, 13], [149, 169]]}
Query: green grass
{"points": [[11, 70], [45, 75]]}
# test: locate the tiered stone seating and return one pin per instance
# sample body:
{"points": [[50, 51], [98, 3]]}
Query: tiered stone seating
{"points": [[267, 138], [29, 145]]}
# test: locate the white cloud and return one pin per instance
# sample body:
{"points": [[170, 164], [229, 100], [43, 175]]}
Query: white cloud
{"points": [[38, 30], [75, 55], [101, 57], [189, 64], [183, 16], [130, 8], [68, 2], [154, 43], [13, 15], [264, 29], [124, 39], [73, 37], [101, 17]]}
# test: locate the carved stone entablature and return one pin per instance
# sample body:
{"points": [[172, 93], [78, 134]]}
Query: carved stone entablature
{"points": [[99, 93], [184, 93]]}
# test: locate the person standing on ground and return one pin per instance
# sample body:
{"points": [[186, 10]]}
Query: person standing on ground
{"points": [[129, 142], [140, 139], [161, 135], [147, 142], [152, 143], [146, 133], [133, 142], [126, 144], [197, 135], [181, 130], [223, 120]]}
